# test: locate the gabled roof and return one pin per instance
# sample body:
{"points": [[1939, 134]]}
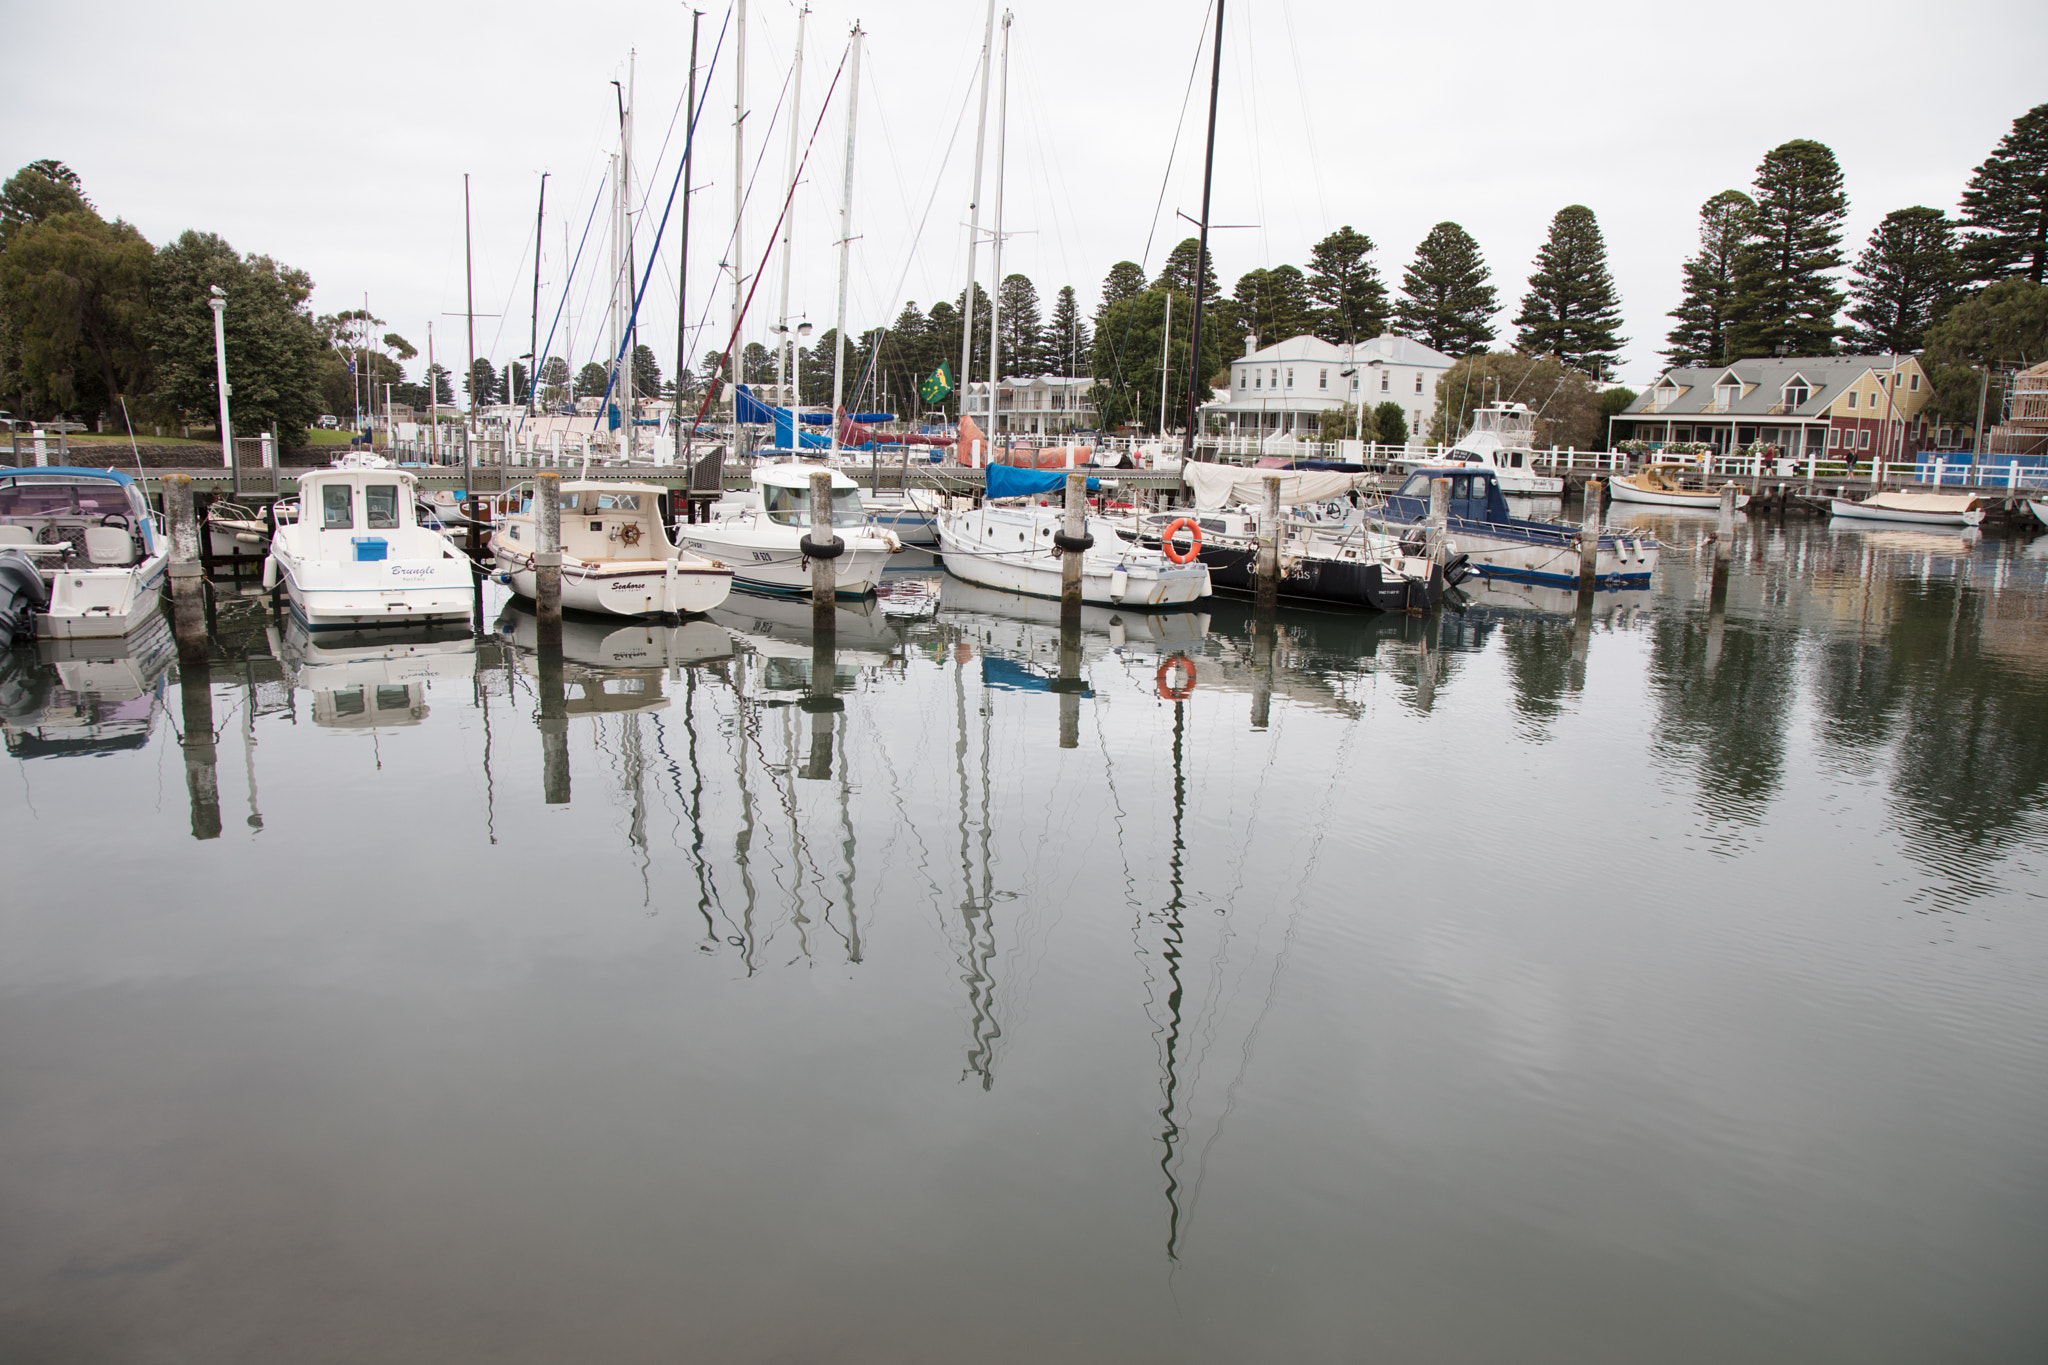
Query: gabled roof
{"points": [[1764, 378], [1387, 348]]}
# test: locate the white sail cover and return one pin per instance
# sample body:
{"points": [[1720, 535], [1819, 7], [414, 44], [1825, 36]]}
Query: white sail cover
{"points": [[1218, 485]]}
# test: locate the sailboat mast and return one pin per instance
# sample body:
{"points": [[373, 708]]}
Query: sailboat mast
{"points": [[469, 311], [739, 198], [533, 347], [611, 312], [1187, 440], [628, 324], [1165, 363], [683, 253], [845, 245], [995, 293], [988, 37], [784, 351]]}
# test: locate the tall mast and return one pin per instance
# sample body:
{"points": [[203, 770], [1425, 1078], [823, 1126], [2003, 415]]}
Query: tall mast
{"points": [[845, 243], [433, 399], [469, 307], [611, 312], [1165, 363], [1187, 440], [784, 351], [533, 346], [995, 293], [739, 197], [628, 324], [988, 38], [683, 253]]}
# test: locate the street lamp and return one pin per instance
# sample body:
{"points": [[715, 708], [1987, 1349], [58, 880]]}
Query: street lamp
{"points": [[219, 303]]}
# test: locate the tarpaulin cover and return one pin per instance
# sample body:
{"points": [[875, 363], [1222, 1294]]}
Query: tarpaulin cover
{"points": [[750, 408], [1218, 485], [1008, 481]]}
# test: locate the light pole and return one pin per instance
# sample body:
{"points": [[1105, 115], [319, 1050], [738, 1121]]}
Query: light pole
{"points": [[219, 303]]}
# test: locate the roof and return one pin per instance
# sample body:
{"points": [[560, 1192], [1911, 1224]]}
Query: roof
{"points": [[1764, 379], [1386, 348], [66, 471]]}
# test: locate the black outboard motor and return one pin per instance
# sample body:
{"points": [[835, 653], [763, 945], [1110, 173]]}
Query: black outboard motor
{"points": [[22, 596]]}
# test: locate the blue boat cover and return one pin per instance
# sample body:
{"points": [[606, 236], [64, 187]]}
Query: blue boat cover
{"points": [[1008, 481]]}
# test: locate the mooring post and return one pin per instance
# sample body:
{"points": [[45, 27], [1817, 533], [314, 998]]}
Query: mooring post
{"points": [[202, 778], [822, 547], [1073, 542], [1438, 528], [547, 554], [1266, 581], [1589, 536], [188, 577], [1724, 533]]}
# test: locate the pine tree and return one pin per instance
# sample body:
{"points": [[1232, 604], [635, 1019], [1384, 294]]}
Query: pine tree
{"points": [[1067, 338], [1701, 336], [646, 372], [1785, 294], [1445, 300], [2005, 206], [1178, 274], [1905, 280], [1273, 305], [591, 380], [1570, 310], [1126, 279], [1347, 285], [1023, 331]]}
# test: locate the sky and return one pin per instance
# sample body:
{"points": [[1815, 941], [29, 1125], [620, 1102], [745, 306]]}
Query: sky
{"points": [[337, 139]]}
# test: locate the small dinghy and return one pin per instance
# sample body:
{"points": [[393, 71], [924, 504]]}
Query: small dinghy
{"points": [[1913, 508]]}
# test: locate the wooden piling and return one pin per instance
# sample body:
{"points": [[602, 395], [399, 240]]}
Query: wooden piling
{"points": [[822, 547], [547, 555], [1724, 532], [187, 576], [1438, 526], [1589, 536], [1073, 544], [1266, 576]]}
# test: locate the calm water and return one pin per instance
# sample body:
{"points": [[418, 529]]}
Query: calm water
{"points": [[1659, 984]]}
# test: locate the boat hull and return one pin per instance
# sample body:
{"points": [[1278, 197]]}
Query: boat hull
{"points": [[643, 588], [408, 593], [1863, 511], [1110, 577], [1705, 501], [1622, 561], [1327, 581], [760, 565], [2039, 507], [102, 604]]}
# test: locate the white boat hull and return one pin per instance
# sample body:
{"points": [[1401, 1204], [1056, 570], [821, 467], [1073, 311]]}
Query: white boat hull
{"points": [[770, 563], [639, 588], [1625, 563], [102, 604], [978, 546], [1863, 511], [2039, 507], [1705, 501], [329, 595]]}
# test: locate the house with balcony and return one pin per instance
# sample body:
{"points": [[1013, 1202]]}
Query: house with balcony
{"points": [[1284, 389], [1833, 407], [1040, 405]]}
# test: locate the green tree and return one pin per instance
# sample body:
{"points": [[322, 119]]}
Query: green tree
{"points": [[646, 372], [1346, 286], [592, 380], [1126, 279], [1128, 346], [2005, 205], [1566, 404], [1906, 278], [2003, 324], [1785, 294], [1023, 327], [39, 191], [1390, 423], [273, 354], [1178, 274], [399, 346], [1446, 302], [443, 383], [1701, 336], [1571, 310], [74, 294], [1613, 402], [554, 382], [1068, 339], [1347, 423], [1273, 305], [483, 385], [757, 363]]}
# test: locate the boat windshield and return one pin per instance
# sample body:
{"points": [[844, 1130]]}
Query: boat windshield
{"points": [[337, 507], [792, 506], [380, 504], [1416, 487]]}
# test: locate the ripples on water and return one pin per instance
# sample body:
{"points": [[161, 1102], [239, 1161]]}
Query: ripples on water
{"points": [[1658, 981]]}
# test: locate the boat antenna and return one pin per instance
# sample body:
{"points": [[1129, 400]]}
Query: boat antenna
{"points": [[1187, 440]]}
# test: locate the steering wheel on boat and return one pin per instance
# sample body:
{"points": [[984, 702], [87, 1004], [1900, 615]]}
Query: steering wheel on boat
{"points": [[117, 519], [629, 534]]}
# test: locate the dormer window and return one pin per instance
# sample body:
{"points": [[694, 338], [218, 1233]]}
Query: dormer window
{"points": [[1797, 391]]}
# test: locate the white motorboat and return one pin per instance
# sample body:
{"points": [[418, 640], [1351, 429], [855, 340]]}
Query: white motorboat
{"points": [[1502, 439], [1913, 508], [1498, 545], [761, 533], [616, 558], [1670, 485], [1011, 549], [2039, 507], [910, 515], [357, 557], [97, 552]]}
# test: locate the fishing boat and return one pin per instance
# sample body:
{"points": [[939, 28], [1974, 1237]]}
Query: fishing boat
{"points": [[1011, 549], [357, 557], [1502, 438], [1670, 485], [87, 555], [1913, 508], [616, 558], [1503, 546], [761, 533]]}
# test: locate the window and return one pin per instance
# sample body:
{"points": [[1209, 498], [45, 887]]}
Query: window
{"points": [[1915, 385], [1866, 438], [380, 502], [337, 507], [1257, 380], [1852, 398], [1274, 377], [1290, 376], [1796, 395], [1323, 379], [1354, 383], [1418, 381], [1385, 378], [792, 506]]}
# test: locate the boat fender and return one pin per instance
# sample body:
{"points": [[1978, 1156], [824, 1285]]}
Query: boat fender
{"points": [[269, 573], [1458, 570], [1194, 549], [1082, 543], [1185, 667], [831, 549]]}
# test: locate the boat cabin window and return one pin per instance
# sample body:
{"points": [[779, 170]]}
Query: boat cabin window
{"points": [[792, 506], [380, 504], [618, 502], [1212, 524], [1416, 487], [337, 507]]}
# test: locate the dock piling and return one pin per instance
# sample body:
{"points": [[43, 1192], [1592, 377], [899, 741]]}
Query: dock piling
{"points": [[821, 547], [1073, 543], [547, 554], [188, 577], [1266, 579], [1439, 524], [1589, 536]]}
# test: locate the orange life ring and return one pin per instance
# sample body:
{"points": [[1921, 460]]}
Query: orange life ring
{"points": [[1187, 668], [1194, 550]]}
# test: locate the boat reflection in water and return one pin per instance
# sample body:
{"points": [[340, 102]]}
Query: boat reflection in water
{"points": [[85, 696], [610, 668], [367, 682]]}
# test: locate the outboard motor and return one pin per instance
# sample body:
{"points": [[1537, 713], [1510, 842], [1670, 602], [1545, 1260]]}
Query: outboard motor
{"points": [[22, 596]]}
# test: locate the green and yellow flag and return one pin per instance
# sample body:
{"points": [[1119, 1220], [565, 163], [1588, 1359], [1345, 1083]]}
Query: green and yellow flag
{"points": [[937, 385]]}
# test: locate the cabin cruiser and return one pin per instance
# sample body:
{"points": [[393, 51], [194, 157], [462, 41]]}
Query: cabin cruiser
{"points": [[81, 556], [761, 533], [1011, 549], [1323, 558], [1668, 484], [1913, 508], [616, 558], [1499, 545], [357, 557], [1502, 439]]}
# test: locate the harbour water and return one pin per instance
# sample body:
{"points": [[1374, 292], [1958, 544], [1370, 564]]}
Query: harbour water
{"points": [[1655, 982]]}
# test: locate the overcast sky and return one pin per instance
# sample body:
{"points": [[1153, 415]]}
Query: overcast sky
{"points": [[335, 138]]}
